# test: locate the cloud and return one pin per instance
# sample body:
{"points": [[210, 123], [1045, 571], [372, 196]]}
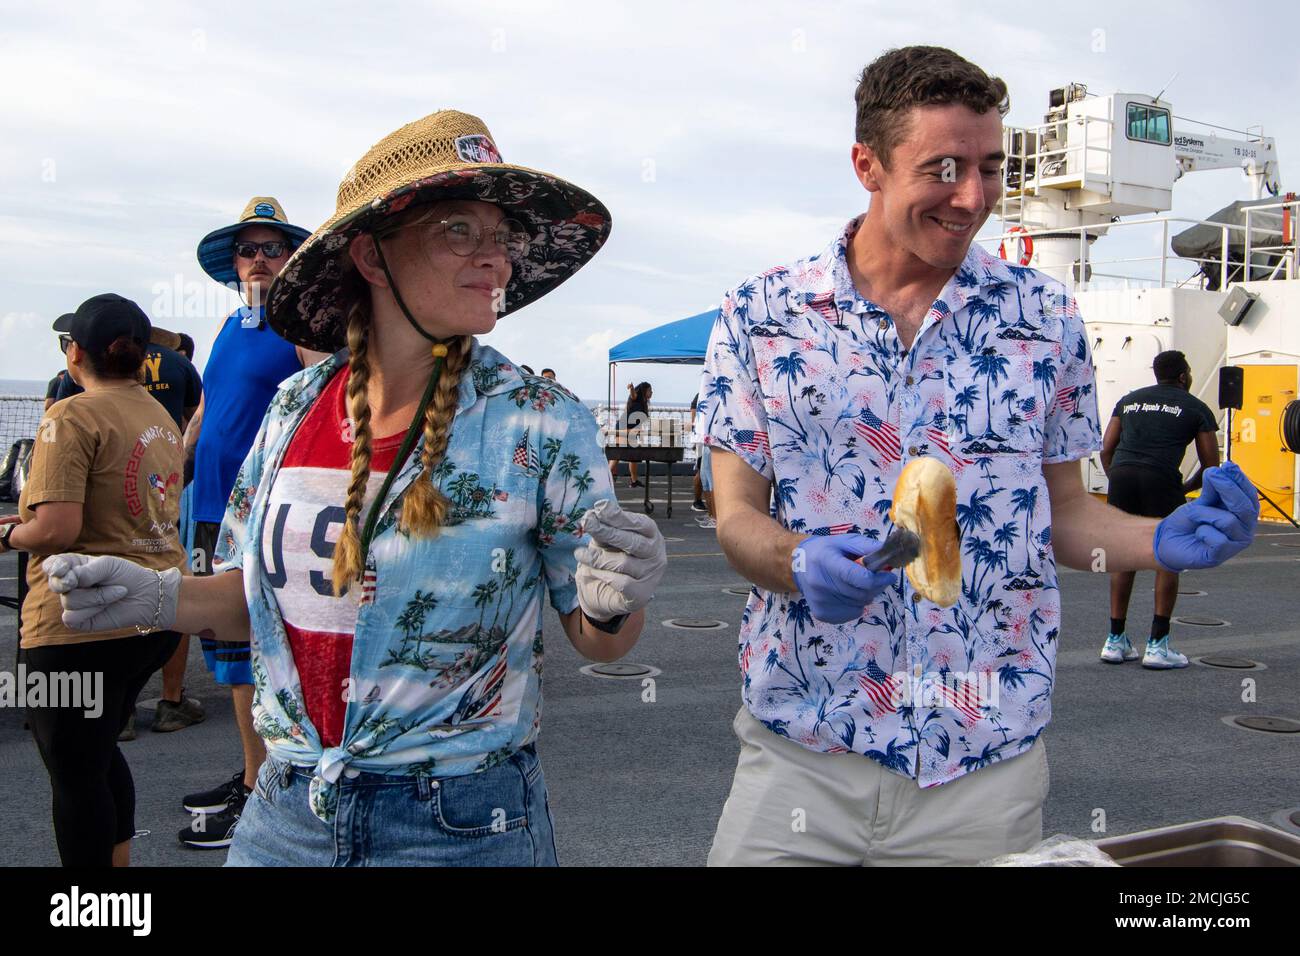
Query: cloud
{"points": [[718, 137]]}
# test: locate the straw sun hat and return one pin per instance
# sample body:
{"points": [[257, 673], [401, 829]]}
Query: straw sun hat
{"points": [[447, 155]]}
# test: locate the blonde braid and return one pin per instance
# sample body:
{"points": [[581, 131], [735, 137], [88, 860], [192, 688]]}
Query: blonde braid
{"points": [[424, 508], [349, 562]]}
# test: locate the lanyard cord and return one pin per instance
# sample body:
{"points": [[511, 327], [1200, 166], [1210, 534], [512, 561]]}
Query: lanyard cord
{"points": [[417, 423], [397, 296]]}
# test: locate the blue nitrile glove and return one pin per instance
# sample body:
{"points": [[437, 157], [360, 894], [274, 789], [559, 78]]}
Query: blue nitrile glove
{"points": [[837, 588], [1209, 530]]}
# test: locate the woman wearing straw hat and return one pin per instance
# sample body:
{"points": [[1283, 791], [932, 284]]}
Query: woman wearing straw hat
{"points": [[402, 510]]}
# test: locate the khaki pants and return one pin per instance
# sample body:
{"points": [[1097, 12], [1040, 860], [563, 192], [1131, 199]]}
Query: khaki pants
{"points": [[793, 806]]}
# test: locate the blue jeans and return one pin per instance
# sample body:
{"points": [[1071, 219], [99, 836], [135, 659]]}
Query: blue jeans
{"points": [[499, 817]]}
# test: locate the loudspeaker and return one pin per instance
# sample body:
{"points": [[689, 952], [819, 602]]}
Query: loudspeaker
{"points": [[1231, 378], [1236, 305]]}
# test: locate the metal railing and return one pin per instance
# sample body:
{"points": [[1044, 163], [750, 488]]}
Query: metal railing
{"points": [[19, 417], [1258, 254], [1284, 213], [669, 426], [1028, 166]]}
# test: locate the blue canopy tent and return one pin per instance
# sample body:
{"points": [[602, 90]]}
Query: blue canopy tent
{"points": [[677, 343], [682, 342]]}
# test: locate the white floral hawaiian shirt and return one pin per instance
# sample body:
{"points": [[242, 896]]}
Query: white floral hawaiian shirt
{"points": [[446, 668], [810, 385]]}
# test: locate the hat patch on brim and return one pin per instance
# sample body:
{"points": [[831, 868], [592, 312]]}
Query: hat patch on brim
{"points": [[477, 148]]}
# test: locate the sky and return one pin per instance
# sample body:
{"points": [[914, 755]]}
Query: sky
{"points": [[717, 133]]}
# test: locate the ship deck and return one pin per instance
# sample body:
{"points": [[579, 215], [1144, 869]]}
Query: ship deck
{"points": [[642, 783]]}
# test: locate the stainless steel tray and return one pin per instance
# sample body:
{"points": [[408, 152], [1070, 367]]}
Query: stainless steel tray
{"points": [[1222, 841]]}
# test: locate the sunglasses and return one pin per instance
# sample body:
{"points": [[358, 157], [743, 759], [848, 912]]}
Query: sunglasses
{"points": [[64, 342], [272, 250]]}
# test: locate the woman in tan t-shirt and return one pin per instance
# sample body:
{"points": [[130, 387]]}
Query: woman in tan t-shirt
{"points": [[105, 480]]}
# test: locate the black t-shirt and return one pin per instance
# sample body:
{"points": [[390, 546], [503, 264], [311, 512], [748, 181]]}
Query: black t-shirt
{"points": [[169, 376], [61, 386], [635, 415], [1156, 425], [172, 379]]}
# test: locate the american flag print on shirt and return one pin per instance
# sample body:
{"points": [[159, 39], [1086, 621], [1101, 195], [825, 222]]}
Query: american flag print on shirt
{"points": [[525, 456], [963, 697], [881, 689], [753, 441], [880, 435], [939, 439], [1065, 400], [996, 383], [843, 528]]}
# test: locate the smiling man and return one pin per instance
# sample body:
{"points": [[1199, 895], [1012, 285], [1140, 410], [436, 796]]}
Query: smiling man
{"points": [[878, 727]]}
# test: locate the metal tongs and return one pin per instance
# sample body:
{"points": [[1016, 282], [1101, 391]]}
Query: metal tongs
{"points": [[900, 549]]}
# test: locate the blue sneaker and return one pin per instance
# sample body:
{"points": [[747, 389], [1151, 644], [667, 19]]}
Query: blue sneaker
{"points": [[1118, 649], [1160, 656]]}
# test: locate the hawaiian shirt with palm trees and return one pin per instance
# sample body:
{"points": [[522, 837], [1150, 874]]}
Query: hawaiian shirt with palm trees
{"points": [[809, 383], [445, 676]]}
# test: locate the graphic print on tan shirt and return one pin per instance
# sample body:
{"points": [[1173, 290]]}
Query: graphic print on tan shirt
{"points": [[117, 451]]}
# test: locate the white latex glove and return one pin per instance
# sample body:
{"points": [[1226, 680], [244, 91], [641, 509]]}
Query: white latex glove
{"points": [[107, 593], [619, 571]]}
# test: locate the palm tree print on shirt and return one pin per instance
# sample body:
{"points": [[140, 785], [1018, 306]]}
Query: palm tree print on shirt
{"points": [[796, 353]]}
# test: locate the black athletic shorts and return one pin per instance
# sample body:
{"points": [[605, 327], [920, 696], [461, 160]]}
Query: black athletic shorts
{"points": [[1144, 491]]}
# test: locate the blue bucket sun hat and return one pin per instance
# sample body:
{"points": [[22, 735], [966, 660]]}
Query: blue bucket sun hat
{"points": [[217, 248]]}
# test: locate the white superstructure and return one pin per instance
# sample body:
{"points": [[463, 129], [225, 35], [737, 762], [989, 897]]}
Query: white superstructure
{"points": [[1105, 166]]}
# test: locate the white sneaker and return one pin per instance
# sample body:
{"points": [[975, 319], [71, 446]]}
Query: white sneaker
{"points": [[1160, 656], [1118, 649], [706, 522]]}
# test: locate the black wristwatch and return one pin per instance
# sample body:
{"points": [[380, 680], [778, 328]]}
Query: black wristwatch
{"points": [[8, 532], [609, 627]]}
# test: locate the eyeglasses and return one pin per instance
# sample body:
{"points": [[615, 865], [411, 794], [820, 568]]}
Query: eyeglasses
{"points": [[272, 250], [64, 342], [464, 236]]}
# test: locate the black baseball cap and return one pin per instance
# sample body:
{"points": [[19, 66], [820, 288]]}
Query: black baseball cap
{"points": [[63, 324], [103, 319]]}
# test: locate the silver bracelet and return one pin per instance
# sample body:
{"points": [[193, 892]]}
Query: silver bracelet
{"points": [[157, 614]]}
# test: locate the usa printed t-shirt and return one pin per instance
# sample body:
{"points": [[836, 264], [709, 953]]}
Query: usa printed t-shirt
{"points": [[445, 676], [306, 516], [117, 452], [809, 384]]}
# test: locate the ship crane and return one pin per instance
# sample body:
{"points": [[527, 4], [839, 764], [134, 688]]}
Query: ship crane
{"points": [[1095, 159], [1256, 156], [1108, 164]]}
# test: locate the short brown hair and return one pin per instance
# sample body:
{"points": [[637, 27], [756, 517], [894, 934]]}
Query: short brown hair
{"points": [[900, 79]]}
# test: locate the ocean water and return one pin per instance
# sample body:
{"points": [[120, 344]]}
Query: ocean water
{"points": [[22, 386]]}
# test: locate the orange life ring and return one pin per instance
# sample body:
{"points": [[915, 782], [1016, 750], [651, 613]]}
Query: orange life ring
{"points": [[1026, 243]]}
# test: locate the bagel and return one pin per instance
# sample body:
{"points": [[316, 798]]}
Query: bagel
{"points": [[925, 503]]}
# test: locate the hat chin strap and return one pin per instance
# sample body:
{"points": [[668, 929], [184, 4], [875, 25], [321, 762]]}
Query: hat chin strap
{"points": [[439, 346], [439, 351]]}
